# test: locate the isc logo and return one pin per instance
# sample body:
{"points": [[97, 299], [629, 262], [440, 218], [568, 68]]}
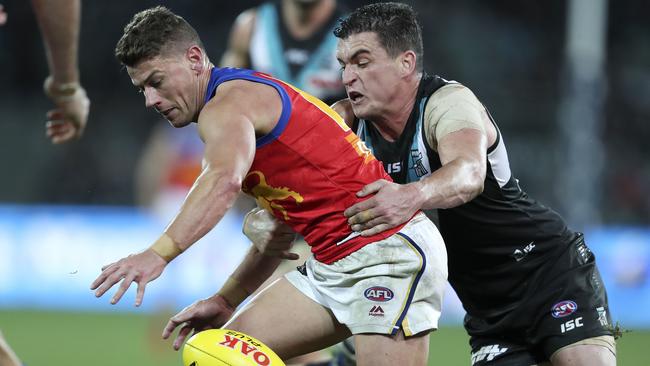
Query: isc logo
{"points": [[571, 325], [247, 350], [393, 167], [378, 293]]}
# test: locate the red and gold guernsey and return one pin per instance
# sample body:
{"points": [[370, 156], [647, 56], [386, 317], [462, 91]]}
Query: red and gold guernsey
{"points": [[307, 171]]}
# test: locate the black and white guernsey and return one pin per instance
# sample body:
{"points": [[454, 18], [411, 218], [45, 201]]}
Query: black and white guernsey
{"points": [[496, 241]]}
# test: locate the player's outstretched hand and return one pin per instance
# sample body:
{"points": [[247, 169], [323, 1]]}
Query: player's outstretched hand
{"points": [[270, 236], [391, 205], [140, 268], [209, 313], [67, 121]]}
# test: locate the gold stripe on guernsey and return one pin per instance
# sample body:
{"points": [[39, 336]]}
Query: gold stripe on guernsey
{"points": [[359, 147], [351, 138], [319, 104], [404, 324]]}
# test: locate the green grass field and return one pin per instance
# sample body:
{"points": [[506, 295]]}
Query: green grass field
{"points": [[104, 339]]}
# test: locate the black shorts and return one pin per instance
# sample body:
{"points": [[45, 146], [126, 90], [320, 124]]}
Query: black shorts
{"points": [[567, 302]]}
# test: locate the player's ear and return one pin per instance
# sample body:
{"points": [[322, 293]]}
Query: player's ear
{"points": [[196, 57], [407, 62]]}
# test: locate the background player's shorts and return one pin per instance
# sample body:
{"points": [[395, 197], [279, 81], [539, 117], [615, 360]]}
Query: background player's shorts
{"points": [[394, 283], [567, 304]]}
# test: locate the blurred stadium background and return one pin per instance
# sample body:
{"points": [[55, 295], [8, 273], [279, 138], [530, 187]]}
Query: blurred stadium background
{"points": [[567, 81]]}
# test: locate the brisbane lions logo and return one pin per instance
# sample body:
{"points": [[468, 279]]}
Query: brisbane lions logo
{"points": [[269, 198]]}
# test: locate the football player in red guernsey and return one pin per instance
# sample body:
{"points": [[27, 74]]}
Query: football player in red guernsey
{"points": [[303, 164]]}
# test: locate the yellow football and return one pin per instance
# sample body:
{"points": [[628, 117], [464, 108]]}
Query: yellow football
{"points": [[217, 347]]}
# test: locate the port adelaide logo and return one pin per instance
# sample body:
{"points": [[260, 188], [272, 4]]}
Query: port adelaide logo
{"points": [[564, 308], [378, 294]]}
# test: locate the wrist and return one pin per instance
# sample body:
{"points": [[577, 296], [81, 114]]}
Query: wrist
{"points": [[166, 248], [418, 194], [60, 90], [246, 223], [233, 292], [220, 300]]}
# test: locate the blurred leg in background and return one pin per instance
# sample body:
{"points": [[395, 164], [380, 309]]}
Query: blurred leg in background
{"points": [[7, 356]]}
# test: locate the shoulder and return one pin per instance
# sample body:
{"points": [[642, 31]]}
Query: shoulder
{"points": [[245, 23], [454, 92], [240, 99], [236, 54], [247, 17], [344, 108], [452, 99], [244, 93], [451, 108]]}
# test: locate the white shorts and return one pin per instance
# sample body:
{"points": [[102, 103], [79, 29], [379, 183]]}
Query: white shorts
{"points": [[396, 283]]}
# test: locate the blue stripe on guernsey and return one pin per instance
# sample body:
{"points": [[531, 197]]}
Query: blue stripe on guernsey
{"points": [[268, 13], [414, 285], [221, 75]]}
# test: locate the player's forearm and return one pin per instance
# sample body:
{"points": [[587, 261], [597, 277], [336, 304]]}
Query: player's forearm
{"points": [[60, 22], [251, 273], [213, 193], [255, 269], [452, 185]]}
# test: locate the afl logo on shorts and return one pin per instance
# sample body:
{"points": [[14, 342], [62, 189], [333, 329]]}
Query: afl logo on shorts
{"points": [[564, 308], [378, 293]]}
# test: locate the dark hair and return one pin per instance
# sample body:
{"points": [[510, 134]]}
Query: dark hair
{"points": [[155, 32], [395, 24]]}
